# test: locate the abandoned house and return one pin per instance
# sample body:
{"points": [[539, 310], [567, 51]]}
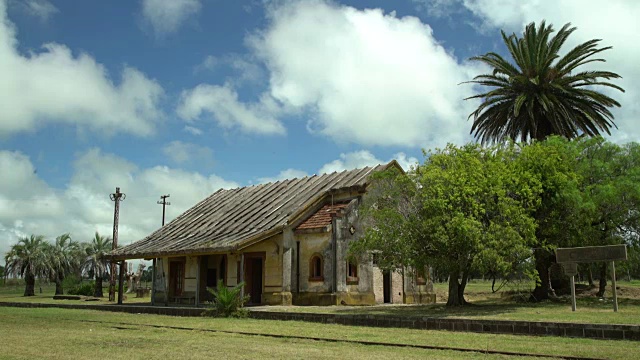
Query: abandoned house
{"points": [[287, 241]]}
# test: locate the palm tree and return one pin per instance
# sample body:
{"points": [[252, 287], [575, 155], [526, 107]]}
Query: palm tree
{"points": [[28, 259], [543, 93], [63, 257], [95, 261]]}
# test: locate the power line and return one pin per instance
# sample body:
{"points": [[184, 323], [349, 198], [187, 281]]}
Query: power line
{"points": [[117, 197]]}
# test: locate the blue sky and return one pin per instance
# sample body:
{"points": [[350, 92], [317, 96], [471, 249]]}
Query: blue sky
{"points": [[187, 96]]}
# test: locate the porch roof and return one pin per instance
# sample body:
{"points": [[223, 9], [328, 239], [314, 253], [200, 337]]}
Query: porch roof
{"points": [[229, 220]]}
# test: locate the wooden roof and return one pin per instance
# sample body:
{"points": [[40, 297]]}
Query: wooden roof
{"points": [[230, 219]]}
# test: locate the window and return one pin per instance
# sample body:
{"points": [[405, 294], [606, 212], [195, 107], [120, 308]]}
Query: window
{"points": [[352, 273], [315, 268], [420, 277]]}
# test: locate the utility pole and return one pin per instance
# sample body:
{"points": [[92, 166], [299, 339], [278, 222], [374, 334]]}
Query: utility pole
{"points": [[164, 203], [117, 197]]}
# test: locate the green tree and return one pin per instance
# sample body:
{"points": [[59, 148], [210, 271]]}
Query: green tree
{"points": [[559, 211], [465, 209], [63, 257], [542, 93], [28, 259], [610, 183], [95, 261]]}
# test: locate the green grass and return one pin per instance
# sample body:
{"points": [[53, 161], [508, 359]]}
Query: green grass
{"points": [[487, 305], [14, 291], [66, 334]]}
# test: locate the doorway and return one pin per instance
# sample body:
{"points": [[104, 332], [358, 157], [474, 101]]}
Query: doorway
{"points": [[176, 277], [386, 287], [254, 275]]}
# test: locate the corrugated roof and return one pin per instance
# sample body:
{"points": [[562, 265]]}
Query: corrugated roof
{"points": [[322, 217], [231, 218]]}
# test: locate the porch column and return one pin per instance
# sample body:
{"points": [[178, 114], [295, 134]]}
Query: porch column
{"points": [[166, 265], [197, 301], [153, 282], [241, 279], [287, 259], [120, 284]]}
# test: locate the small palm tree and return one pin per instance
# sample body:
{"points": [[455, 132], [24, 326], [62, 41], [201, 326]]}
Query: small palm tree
{"points": [[28, 258], [543, 93], [63, 258], [95, 261]]}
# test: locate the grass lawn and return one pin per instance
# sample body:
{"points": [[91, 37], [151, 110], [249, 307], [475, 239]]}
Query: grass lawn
{"points": [[14, 293], [488, 305], [74, 334]]}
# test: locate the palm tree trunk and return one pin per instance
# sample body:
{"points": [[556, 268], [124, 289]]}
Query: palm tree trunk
{"points": [[98, 290], [30, 288], [59, 289]]}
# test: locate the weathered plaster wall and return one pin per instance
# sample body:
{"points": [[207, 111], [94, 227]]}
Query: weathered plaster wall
{"points": [[272, 268], [315, 244]]}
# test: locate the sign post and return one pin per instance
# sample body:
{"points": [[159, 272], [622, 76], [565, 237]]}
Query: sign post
{"points": [[571, 269], [613, 284], [569, 257]]}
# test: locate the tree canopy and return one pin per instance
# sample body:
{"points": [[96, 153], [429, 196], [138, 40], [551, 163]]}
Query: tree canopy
{"points": [[541, 93], [463, 209]]}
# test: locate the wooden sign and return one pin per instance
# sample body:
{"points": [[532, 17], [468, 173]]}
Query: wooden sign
{"points": [[589, 254], [570, 269]]}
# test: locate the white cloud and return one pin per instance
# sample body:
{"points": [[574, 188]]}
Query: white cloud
{"points": [[166, 16], [284, 175], [192, 130], [364, 76], [182, 152], [244, 68], [615, 22], [41, 9], [222, 103], [28, 205], [53, 85], [363, 158], [438, 8]]}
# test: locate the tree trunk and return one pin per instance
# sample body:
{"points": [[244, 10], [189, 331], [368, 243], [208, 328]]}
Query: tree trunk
{"points": [[603, 280], [591, 284], [98, 290], [59, 290], [543, 288], [456, 289], [30, 288]]}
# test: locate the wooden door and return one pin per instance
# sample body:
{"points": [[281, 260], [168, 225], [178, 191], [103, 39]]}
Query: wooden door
{"points": [[176, 277], [254, 278]]}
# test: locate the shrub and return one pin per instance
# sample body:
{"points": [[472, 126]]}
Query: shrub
{"points": [[71, 281], [86, 289], [228, 302]]}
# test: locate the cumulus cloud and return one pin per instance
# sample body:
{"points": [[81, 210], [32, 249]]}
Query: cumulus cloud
{"points": [[365, 76], [363, 158], [192, 130], [166, 16], [616, 24], [55, 86], [41, 9], [183, 152], [28, 205], [224, 107], [284, 175]]}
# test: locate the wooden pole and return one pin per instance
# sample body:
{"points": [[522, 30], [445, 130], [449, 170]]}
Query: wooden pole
{"points": [[613, 284], [573, 294]]}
